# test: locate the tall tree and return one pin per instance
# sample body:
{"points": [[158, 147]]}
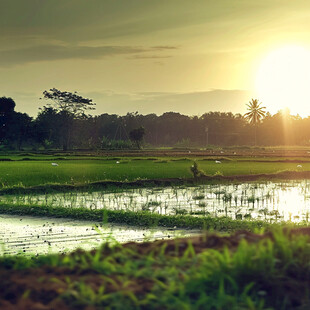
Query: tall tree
{"points": [[7, 106], [20, 129], [47, 128], [255, 115], [69, 106], [136, 136]]}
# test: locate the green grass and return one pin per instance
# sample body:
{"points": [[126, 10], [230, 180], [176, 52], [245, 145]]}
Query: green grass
{"points": [[33, 173], [228, 168], [145, 219], [268, 275]]}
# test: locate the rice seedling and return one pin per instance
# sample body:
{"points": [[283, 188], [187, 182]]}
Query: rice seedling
{"points": [[257, 199]]}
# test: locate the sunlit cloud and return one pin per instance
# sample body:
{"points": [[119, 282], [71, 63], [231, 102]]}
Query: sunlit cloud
{"points": [[9, 57]]}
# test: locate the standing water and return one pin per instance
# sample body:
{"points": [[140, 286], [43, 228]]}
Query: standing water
{"points": [[33, 235], [277, 201]]}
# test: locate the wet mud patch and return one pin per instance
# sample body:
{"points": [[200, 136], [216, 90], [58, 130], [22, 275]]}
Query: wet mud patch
{"points": [[32, 235]]}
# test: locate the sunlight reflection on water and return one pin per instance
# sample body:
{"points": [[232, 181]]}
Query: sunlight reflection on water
{"points": [[277, 201], [41, 235]]}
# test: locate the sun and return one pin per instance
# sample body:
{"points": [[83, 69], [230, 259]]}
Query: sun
{"points": [[283, 80]]}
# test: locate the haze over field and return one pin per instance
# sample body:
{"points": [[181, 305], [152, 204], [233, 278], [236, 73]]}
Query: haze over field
{"points": [[157, 56]]}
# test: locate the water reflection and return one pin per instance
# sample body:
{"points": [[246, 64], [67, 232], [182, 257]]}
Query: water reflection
{"points": [[274, 201], [32, 235]]}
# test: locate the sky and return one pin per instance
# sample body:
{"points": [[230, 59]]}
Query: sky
{"points": [[148, 56]]}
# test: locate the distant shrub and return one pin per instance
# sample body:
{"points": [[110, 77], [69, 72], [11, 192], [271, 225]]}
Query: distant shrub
{"points": [[218, 174], [196, 171], [116, 144], [183, 143]]}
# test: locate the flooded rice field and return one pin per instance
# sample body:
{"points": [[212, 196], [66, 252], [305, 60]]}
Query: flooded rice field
{"points": [[24, 235], [274, 201]]}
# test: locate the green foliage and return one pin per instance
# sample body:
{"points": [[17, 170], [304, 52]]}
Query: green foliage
{"points": [[68, 102], [218, 174], [255, 115], [38, 171], [256, 112], [196, 171], [107, 144], [141, 218], [184, 143], [136, 136], [7, 106], [271, 274], [67, 107]]}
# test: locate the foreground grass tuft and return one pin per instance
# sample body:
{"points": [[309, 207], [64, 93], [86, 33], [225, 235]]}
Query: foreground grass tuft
{"points": [[269, 271]]}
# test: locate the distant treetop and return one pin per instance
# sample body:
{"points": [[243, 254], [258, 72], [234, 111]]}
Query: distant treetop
{"points": [[7, 105], [256, 112], [64, 101]]}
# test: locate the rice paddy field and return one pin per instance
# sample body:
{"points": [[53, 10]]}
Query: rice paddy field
{"points": [[272, 201], [34, 170], [79, 231]]}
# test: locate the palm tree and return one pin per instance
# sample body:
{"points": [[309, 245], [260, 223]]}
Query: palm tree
{"points": [[256, 113]]}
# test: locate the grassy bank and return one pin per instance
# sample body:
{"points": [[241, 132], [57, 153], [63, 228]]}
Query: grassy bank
{"points": [[144, 219], [244, 271]]}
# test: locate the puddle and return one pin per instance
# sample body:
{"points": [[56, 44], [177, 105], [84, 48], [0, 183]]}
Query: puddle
{"points": [[32, 235]]}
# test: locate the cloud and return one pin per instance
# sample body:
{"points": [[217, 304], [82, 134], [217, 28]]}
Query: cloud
{"points": [[47, 52], [76, 20], [148, 57], [165, 47]]}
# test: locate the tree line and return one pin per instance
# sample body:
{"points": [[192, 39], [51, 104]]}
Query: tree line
{"points": [[63, 123]]}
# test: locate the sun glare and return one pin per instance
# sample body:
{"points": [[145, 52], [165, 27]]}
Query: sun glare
{"points": [[283, 80]]}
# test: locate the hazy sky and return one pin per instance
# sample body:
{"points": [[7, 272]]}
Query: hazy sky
{"points": [[189, 56]]}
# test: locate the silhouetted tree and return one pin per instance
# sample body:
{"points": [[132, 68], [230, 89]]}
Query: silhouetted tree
{"points": [[15, 127], [136, 136], [255, 115], [20, 129], [47, 127], [69, 106], [7, 106], [171, 129]]}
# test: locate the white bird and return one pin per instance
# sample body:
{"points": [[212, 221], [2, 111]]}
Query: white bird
{"points": [[299, 166], [218, 162], [117, 162], [54, 164]]}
